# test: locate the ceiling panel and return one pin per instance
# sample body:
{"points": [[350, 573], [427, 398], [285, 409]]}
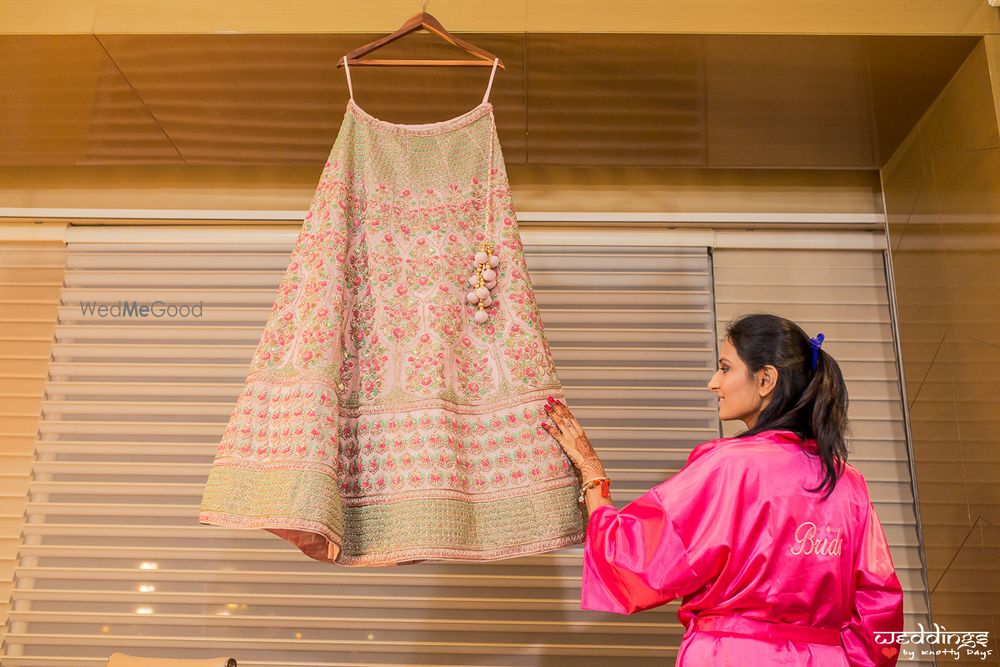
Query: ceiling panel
{"points": [[251, 99], [788, 101], [616, 100], [63, 101], [719, 101], [907, 74]]}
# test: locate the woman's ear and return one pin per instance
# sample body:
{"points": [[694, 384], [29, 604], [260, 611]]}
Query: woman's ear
{"points": [[767, 380]]}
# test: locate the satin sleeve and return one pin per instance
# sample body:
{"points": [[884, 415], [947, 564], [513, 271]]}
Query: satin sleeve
{"points": [[878, 600], [663, 545]]}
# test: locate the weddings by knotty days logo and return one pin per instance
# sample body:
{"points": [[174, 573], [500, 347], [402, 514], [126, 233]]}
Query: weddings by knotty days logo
{"points": [[123, 309], [937, 642]]}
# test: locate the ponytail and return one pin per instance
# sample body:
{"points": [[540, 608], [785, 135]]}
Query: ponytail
{"points": [[810, 402]]}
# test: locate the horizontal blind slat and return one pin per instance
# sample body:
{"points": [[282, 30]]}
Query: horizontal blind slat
{"points": [[135, 407]]}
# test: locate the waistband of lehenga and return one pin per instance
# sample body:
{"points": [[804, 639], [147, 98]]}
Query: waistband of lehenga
{"points": [[759, 629]]}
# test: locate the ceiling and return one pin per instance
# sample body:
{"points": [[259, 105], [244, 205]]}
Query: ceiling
{"points": [[706, 101]]}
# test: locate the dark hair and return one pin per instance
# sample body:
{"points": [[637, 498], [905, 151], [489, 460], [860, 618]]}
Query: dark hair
{"points": [[810, 403]]}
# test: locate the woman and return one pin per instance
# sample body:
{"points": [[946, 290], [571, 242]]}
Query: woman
{"points": [[769, 537]]}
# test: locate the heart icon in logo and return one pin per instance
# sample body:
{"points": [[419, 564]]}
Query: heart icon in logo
{"points": [[890, 651]]}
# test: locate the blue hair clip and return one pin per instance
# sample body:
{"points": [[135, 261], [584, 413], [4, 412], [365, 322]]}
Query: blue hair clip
{"points": [[815, 344]]}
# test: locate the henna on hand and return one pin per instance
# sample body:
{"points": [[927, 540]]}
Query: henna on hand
{"points": [[584, 447], [574, 440], [591, 468]]}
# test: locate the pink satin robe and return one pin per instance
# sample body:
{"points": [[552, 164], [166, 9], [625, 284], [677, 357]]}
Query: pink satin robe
{"points": [[769, 574]]}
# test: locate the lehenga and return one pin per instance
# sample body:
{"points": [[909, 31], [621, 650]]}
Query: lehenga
{"points": [[384, 418]]}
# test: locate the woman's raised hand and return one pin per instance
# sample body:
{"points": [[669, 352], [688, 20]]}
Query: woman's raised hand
{"points": [[570, 435]]}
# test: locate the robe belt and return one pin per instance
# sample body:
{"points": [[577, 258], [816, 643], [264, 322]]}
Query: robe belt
{"points": [[758, 629]]}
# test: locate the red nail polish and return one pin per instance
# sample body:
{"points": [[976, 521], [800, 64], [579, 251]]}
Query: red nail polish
{"points": [[544, 425], [551, 400]]}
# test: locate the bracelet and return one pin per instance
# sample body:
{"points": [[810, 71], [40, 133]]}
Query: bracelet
{"points": [[591, 483]]}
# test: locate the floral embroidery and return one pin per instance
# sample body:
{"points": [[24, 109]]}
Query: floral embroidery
{"points": [[529, 358], [425, 370], [475, 372], [373, 361], [387, 261], [373, 399], [357, 273], [393, 456], [425, 268], [445, 314], [402, 313]]}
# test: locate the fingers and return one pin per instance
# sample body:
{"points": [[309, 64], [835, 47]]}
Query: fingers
{"points": [[564, 412], [565, 441], [552, 430], [567, 432], [562, 417], [559, 416]]}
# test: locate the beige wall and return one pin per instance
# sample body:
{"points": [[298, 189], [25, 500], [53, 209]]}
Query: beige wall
{"points": [[942, 191]]}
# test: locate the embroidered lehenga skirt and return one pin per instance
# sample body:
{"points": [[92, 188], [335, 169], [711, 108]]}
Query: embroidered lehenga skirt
{"points": [[382, 421]]}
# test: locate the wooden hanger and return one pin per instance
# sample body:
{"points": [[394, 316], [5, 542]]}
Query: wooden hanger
{"points": [[424, 21]]}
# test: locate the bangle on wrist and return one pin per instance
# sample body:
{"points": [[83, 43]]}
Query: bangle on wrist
{"points": [[604, 482]]}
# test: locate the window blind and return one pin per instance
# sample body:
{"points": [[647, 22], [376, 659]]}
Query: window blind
{"points": [[30, 283], [844, 294], [111, 556]]}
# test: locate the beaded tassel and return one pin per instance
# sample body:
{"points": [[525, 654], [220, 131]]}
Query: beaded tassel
{"points": [[483, 281], [484, 278]]}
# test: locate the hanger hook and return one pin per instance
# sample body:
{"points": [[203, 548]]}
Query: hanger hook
{"points": [[425, 5]]}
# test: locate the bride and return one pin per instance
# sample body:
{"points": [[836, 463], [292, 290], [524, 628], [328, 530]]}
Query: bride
{"points": [[769, 537]]}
